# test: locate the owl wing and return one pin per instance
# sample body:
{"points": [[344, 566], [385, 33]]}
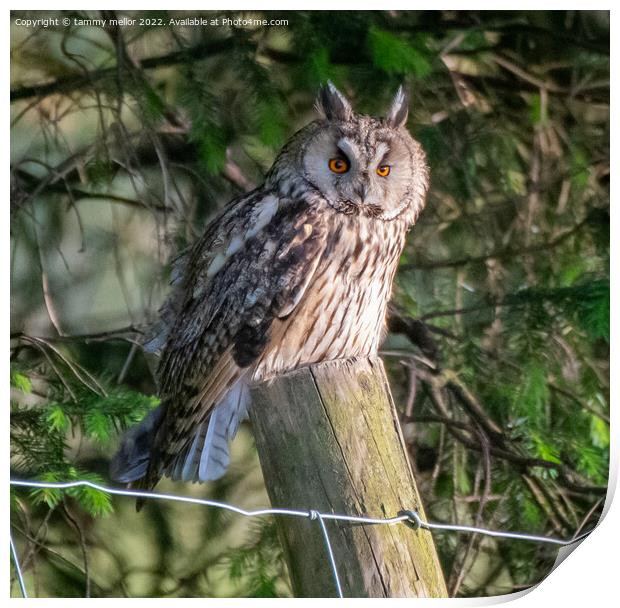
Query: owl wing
{"points": [[252, 266]]}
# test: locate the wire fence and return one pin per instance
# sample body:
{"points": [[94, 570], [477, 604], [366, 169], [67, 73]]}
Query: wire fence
{"points": [[408, 517]]}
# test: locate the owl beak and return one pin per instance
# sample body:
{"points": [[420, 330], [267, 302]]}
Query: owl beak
{"points": [[362, 192]]}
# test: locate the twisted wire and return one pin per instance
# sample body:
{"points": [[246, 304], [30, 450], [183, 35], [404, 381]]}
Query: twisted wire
{"points": [[410, 517]]}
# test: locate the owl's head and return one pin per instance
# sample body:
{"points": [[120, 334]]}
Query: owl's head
{"points": [[361, 164]]}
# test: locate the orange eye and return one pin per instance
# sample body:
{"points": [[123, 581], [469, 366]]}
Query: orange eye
{"points": [[338, 165], [383, 170]]}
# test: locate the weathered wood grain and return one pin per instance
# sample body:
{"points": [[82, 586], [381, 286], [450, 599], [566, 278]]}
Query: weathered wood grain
{"points": [[328, 439]]}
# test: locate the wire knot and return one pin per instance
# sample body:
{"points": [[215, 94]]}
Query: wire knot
{"points": [[312, 514], [413, 519]]}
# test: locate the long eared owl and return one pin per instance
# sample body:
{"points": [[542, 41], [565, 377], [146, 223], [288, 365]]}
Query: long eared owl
{"points": [[295, 272]]}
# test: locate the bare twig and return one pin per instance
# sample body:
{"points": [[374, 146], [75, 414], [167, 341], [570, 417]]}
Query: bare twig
{"points": [[499, 254], [82, 537]]}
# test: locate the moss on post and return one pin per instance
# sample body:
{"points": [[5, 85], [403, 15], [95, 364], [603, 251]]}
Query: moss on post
{"points": [[329, 439]]}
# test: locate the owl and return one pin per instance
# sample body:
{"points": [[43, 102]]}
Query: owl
{"points": [[295, 272]]}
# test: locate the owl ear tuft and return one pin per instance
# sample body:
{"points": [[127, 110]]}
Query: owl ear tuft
{"points": [[399, 110], [333, 104]]}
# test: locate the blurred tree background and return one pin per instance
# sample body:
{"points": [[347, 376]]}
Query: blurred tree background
{"points": [[127, 138]]}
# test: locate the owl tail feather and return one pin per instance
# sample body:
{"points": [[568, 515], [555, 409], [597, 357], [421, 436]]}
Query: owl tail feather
{"points": [[206, 456], [131, 461]]}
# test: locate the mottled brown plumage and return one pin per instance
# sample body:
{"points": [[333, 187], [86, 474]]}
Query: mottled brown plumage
{"points": [[298, 271]]}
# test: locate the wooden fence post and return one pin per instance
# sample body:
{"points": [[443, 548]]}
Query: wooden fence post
{"points": [[329, 439]]}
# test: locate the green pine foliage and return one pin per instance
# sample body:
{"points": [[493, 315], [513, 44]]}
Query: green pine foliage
{"points": [[41, 434], [258, 565], [395, 55]]}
